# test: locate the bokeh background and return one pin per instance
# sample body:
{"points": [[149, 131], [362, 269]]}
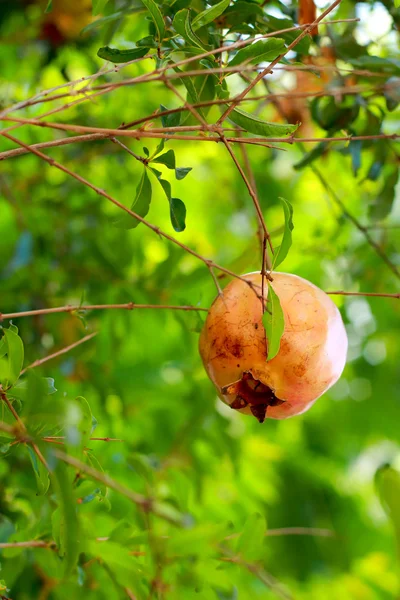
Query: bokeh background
{"points": [[142, 374]]}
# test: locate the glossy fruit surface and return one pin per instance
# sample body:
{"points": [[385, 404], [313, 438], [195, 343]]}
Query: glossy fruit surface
{"points": [[310, 360]]}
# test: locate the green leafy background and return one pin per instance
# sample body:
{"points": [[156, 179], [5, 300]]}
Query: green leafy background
{"points": [[228, 490]]}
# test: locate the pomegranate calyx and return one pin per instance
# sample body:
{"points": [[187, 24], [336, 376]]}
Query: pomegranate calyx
{"points": [[252, 392]]}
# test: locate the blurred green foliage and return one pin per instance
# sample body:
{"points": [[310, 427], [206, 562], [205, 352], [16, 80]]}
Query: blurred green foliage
{"points": [[227, 490]]}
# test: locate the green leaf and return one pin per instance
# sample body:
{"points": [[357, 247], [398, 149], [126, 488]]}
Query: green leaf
{"points": [[274, 322], [250, 544], [98, 6], [177, 214], [15, 356], [103, 21], [140, 205], [309, 157], [49, 6], [40, 471], [260, 51], [157, 18], [3, 347], [181, 172], [172, 120], [255, 125], [210, 14], [65, 524], [387, 482], [192, 95], [183, 26], [167, 159], [392, 93], [121, 56], [377, 64], [397, 3], [382, 206], [21, 390], [147, 42], [85, 421], [282, 251]]}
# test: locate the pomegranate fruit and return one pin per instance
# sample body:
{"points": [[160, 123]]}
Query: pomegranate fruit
{"points": [[312, 353]]}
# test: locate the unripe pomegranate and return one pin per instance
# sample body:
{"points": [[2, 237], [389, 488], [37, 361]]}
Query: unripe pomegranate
{"points": [[312, 353]]}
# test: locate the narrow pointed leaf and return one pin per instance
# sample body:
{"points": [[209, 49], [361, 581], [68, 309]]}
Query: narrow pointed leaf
{"points": [[67, 520], [15, 356], [210, 14], [157, 17], [258, 126], [140, 205], [40, 471], [286, 243], [274, 322], [262, 50], [183, 26], [251, 542], [121, 56]]}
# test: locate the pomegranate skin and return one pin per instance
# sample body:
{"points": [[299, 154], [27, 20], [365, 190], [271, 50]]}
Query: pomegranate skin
{"points": [[310, 360]]}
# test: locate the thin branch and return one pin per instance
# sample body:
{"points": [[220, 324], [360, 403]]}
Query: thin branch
{"points": [[143, 502], [28, 544], [370, 294], [355, 221], [268, 69], [40, 361], [104, 194], [165, 133], [84, 307], [22, 426], [311, 531]]}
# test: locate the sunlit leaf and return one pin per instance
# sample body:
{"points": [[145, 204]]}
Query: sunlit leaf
{"points": [[282, 251], [65, 524], [15, 356], [274, 322], [258, 126], [98, 6], [40, 471], [382, 205], [251, 541], [140, 205], [210, 14]]}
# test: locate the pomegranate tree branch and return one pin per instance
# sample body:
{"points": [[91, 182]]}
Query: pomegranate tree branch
{"points": [[84, 307], [355, 221], [22, 426], [157, 230], [145, 503], [268, 69], [370, 294], [40, 361]]}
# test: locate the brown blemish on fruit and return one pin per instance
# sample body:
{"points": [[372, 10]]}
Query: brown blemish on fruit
{"points": [[299, 369]]}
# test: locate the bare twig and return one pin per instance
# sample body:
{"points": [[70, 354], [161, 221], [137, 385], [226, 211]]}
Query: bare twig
{"points": [[28, 544], [125, 306], [101, 192], [145, 503], [268, 69], [40, 361], [22, 426], [370, 294]]}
